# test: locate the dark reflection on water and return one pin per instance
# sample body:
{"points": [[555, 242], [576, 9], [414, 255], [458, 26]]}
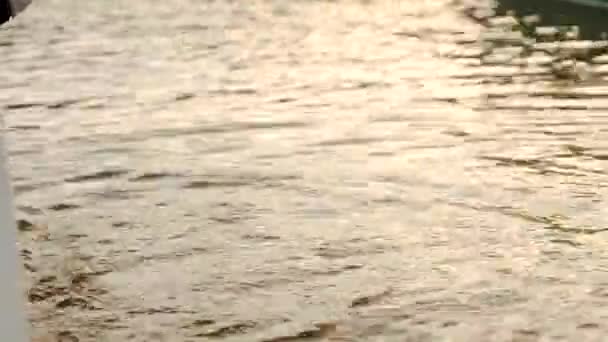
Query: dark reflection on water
{"points": [[590, 20], [308, 170]]}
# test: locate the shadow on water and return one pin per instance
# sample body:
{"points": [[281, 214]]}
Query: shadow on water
{"points": [[527, 42], [590, 20]]}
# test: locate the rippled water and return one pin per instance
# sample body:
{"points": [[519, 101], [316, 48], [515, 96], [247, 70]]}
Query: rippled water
{"points": [[303, 170]]}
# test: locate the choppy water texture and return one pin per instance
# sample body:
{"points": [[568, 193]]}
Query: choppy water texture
{"points": [[301, 171]]}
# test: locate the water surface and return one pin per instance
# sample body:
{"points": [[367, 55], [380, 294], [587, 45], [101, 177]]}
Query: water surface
{"points": [[303, 171]]}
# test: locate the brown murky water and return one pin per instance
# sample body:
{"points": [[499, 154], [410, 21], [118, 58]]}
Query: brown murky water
{"points": [[302, 171]]}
